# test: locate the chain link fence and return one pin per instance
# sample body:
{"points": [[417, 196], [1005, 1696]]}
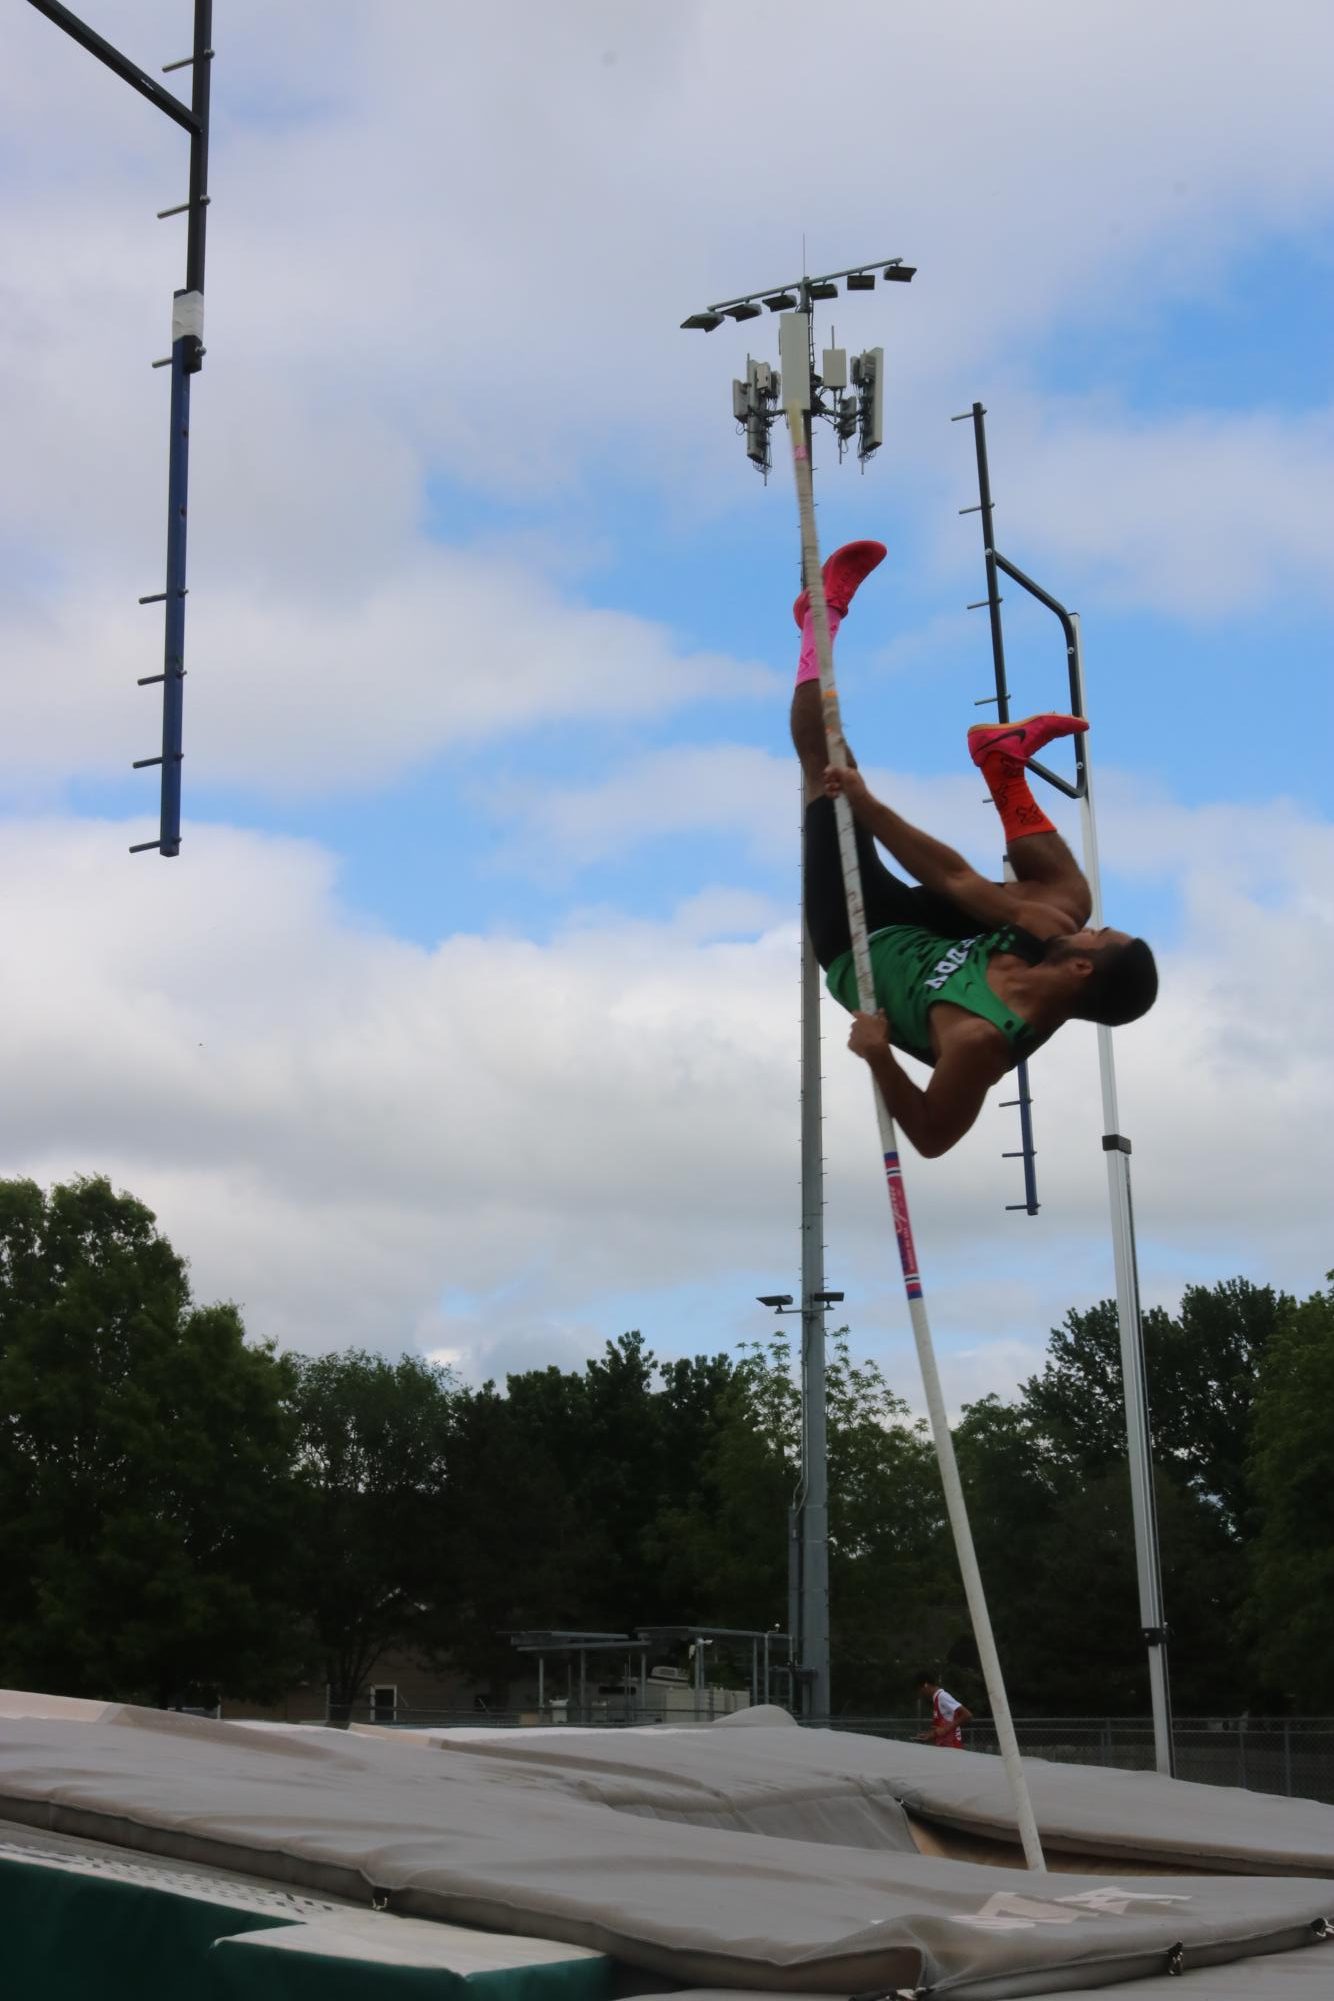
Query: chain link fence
{"points": [[1290, 1755]]}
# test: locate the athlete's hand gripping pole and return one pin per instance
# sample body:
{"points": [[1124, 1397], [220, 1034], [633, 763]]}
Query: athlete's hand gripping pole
{"points": [[793, 380]]}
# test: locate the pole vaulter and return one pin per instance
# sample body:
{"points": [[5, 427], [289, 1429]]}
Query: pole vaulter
{"points": [[796, 394]]}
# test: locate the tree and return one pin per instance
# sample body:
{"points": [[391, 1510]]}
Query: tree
{"points": [[717, 1542], [1202, 1365], [1292, 1469], [373, 1446], [723, 1548], [562, 1487], [145, 1473], [1048, 1485], [893, 1586]]}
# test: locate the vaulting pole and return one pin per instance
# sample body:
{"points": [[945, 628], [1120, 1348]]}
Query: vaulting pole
{"points": [[796, 387]]}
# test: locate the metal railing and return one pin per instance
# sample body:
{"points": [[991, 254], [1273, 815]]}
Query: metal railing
{"points": [[1289, 1755]]}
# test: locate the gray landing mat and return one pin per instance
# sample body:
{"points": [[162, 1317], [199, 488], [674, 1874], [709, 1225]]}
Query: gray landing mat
{"points": [[762, 1781], [1287, 1976], [1131, 1816], [473, 1840]]}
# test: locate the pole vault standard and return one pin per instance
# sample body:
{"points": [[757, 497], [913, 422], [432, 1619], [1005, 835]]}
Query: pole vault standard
{"points": [[186, 359], [794, 350], [1116, 1147]]}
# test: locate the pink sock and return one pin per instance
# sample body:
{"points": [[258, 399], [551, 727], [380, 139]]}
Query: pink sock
{"points": [[808, 666]]}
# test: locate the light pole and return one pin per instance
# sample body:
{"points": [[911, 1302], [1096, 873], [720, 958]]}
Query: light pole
{"points": [[803, 397], [808, 1516], [851, 397]]}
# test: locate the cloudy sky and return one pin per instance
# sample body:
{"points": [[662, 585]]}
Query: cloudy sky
{"points": [[467, 1018]]}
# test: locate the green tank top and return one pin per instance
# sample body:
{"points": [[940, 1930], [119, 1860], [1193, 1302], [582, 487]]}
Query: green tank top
{"points": [[915, 970]]}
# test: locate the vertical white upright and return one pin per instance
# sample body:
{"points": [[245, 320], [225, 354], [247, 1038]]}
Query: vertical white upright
{"points": [[1139, 1443]]}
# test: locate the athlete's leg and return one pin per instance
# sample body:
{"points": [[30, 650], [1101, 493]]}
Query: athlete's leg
{"points": [[885, 899], [808, 736], [844, 571], [1036, 851]]}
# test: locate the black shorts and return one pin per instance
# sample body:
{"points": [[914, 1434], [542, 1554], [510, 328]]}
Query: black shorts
{"points": [[887, 900]]}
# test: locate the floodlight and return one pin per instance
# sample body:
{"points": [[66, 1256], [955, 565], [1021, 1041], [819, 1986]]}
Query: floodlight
{"points": [[776, 1299], [706, 322], [825, 289], [827, 1298], [861, 281], [904, 273], [745, 310], [781, 302]]}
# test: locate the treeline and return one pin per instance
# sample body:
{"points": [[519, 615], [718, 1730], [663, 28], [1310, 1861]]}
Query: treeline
{"points": [[184, 1513]]}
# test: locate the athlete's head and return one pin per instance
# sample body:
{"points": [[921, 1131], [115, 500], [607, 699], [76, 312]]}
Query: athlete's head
{"points": [[1110, 976], [926, 1678]]}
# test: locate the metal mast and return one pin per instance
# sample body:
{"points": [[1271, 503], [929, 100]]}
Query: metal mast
{"points": [[812, 1633], [756, 402]]}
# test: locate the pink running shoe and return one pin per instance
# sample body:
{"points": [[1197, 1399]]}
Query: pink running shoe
{"points": [[1021, 740], [843, 572]]}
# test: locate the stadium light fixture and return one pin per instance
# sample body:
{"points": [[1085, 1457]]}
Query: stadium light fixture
{"points": [[756, 400]]}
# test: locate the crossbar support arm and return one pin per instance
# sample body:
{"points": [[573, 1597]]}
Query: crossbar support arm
{"points": [[128, 72]]}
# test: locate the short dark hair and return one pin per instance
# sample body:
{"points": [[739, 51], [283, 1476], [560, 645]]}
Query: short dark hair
{"points": [[926, 1678], [1122, 986]]}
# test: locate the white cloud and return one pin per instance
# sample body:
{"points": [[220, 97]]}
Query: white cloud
{"points": [[493, 1145], [457, 250], [450, 650], [450, 254], [1201, 514]]}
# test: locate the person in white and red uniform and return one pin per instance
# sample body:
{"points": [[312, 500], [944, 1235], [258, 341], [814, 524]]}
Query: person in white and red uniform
{"points": [[948, 1715]]}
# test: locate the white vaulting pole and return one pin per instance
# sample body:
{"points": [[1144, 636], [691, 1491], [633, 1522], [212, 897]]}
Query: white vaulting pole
{"points": [[796, 393]]}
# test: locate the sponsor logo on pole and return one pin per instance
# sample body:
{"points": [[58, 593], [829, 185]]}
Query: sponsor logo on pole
{"points": [[898, 1203]]}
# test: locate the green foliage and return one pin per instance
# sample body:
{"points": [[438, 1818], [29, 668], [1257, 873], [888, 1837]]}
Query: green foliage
{"points": [[143, 1478], [373, 1445], [1292, 1469], [1203, 1364], [1049, 1490], [181, 1511]]}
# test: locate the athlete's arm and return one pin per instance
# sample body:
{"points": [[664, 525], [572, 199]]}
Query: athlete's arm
{"points": [[938, 1117], [943, 869]]}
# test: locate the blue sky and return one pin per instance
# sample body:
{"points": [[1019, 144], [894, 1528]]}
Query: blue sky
{"points": [[485, 919]]}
